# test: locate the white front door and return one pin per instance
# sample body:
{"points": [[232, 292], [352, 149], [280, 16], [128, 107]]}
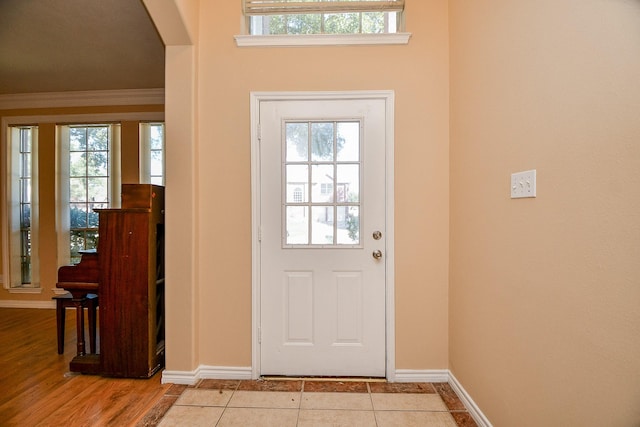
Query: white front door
{"points": [[322, 237]]}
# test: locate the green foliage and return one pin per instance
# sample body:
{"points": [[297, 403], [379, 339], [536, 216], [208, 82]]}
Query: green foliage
{"points": [[329, 23], [322, 137], [353, 227]]}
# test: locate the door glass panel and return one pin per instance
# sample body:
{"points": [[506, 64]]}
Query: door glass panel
{"points": [[322, 171], [297, 225], [348, 219], [348, 142], [297, 142], [297, 183], [322, 141], [348, 183], [322, 226], [322, 183]]}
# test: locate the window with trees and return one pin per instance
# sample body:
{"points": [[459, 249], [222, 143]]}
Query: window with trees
{"points": [[152, 153], [284, 17], [22, 197], [89, 180]]}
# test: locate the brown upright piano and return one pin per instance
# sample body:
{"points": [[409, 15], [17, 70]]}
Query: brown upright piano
{"points": [[131, 248], [127, 273]]}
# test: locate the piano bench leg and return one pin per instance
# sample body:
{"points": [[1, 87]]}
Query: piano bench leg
{"points": [[66, 300], [62, 302]]}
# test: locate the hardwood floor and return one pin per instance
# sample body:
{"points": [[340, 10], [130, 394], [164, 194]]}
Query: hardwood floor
{"points": [[37, 389]]}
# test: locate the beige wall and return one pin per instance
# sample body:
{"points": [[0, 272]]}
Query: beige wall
{"points": [[418, 73], [545, 293]]}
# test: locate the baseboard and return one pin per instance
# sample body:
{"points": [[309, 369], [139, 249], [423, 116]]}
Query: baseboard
{"points": [[468, 402], [7, 303], [421, 376], [180, 377], [206, 372]]}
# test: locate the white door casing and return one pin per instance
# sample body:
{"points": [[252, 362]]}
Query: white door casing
{"points": [[323, 308]]}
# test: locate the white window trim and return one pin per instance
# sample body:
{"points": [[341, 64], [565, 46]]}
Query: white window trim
{"points": [[8, 121], [299, 40]]}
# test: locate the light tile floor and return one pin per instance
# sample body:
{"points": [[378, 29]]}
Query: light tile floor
{"points": [[304, 403]]}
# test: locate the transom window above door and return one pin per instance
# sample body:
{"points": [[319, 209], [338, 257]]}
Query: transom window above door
{"points": [[322, 180], [322, 22]]}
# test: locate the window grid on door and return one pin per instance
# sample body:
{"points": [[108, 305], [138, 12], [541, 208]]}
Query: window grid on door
{"points": [[322, 183]]}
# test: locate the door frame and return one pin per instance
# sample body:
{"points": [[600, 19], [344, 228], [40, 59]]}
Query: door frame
{"points": [[256, 98]]}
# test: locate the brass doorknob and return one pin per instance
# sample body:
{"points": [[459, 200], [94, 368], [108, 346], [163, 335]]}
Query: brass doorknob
{"points": [[377, 254]]}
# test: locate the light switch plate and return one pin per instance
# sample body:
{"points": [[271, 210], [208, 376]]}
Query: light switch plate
{"points": [[523, 184]]}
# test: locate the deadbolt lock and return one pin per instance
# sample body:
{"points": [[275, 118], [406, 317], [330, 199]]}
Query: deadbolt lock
{"points": [[377, 235]]}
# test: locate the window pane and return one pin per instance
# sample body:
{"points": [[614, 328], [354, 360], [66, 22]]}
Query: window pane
{"points": [[322, 141], [322, 227], [77, 245], [348, 183], [348, 225], [373, 22], [98, 189], [78, 189], [77, 139], [304, 24], [157, 163], [25, 216], [297, 136], [348, 141], [25, 190], [157, 137], [297, 225], [78, 163], [98, 163], [78, 216], [98, 138], [322, 182], [342, 23], [26, 164], [297, 183]]}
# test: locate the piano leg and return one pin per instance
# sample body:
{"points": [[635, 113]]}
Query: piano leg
{"points": [[79, 304]]}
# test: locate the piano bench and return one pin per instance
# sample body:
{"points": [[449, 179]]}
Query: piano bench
{"points": [[66, 300]]}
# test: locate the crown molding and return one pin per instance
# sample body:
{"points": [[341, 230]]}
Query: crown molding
{"points": [[83, 98]]}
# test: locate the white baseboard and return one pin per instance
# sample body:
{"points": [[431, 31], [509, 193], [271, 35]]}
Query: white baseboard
{"points": [[206, 372], [26, 304], [422, 376], [468, 402], [180, 377]]}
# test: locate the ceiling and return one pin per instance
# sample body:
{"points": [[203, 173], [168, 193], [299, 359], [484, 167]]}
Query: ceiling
{"points": [[70, 45]]}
